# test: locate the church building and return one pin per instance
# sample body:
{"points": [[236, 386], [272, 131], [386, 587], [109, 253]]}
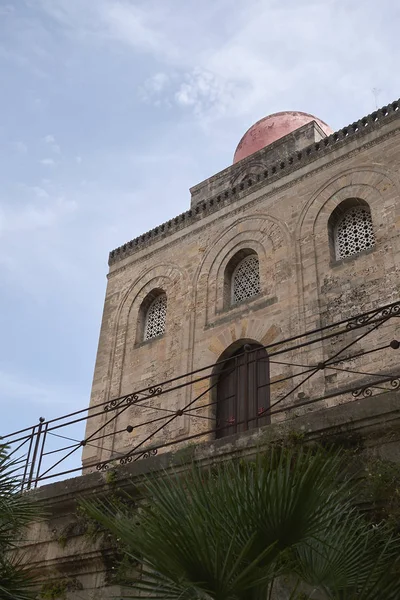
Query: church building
{"points": [[301, 231]]}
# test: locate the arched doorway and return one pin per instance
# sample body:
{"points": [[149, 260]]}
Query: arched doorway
{"points": [[243, 391]]}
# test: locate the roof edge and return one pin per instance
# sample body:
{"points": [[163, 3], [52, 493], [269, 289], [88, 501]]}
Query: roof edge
{"points": [[294, 162]]}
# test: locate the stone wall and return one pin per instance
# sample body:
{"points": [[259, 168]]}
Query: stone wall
{"points": [[284, 218], [65, 556]]}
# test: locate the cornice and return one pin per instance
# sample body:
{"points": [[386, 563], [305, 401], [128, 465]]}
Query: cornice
{"points": [[238, 208], [294, 162]]}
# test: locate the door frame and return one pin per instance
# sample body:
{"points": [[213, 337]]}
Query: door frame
{"points": [[218, 370]]}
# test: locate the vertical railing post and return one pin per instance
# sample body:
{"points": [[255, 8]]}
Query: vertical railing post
{"points": [[35, 451], [41, 453], [28, 456]]}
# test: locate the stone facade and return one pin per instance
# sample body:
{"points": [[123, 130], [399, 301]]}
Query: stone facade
{"points": [[277, 203]]}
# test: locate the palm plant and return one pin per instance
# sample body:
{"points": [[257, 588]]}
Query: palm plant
{"points": [[17, 510], [232, 531]]}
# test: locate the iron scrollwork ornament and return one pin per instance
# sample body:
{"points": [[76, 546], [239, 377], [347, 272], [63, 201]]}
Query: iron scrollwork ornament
{"points": [[103, 466], [358, 322], [130, 458], [364, 392], [155, 390], [120, 401], [392, 311], [385, 313], [111, 405], [131, 398], [151, 452], [395, 383]]}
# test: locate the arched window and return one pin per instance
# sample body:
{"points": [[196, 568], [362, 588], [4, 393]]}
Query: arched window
{"points": [[245, 279], [155, 317], [243, 391], [352, 227]]}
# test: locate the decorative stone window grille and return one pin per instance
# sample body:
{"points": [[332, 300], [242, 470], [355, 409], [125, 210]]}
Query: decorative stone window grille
{"points": [[353, 232], [155, 318], [246, 279]]}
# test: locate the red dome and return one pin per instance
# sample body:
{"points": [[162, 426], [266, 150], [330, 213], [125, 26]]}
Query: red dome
{"points": [[272, 128]]}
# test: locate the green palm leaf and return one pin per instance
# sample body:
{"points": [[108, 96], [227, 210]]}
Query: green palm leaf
{"points": [[352, 559], [17, 510], [223, 533]]}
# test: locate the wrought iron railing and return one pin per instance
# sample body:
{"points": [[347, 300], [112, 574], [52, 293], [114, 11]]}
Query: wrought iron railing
{"points": [[41, 457]]}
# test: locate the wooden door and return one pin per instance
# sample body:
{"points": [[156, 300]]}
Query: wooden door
{"points": [[243, 391]]}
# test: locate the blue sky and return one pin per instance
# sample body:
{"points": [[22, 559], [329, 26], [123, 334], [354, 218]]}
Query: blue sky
{"points": [[110, 111]]}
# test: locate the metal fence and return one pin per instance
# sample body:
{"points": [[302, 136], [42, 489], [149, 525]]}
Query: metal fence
{"points": [[51, 448]]}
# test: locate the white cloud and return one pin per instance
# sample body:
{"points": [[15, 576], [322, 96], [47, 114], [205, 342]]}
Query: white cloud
{"points": [[20, 147], [40, 192], [155, 89], [47, 162], [205, 91], [50, 140], [156, 83], [267, 60], [34, 216], [130, 24], [116, 20], [261, 56], [35, 190]]}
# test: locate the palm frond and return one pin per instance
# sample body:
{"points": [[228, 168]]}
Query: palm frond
{"points": [[351, 559], [223, 531], [17, 510]]}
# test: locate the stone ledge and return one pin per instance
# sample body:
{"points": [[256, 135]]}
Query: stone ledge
{"points": [[240, 310]]}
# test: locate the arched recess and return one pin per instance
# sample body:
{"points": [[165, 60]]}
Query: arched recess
{"points": [[242, 391], [166, 277], [384, 182], [314, 256], [259, 233], [122, 365], [375, 187], [331, 290]]}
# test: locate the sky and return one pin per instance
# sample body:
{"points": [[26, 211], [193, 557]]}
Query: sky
{"points": [[110, 111]]}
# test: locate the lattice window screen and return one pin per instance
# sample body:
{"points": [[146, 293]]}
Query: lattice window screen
{"points": [[155, 317], [354, 232], [246, 279]]}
